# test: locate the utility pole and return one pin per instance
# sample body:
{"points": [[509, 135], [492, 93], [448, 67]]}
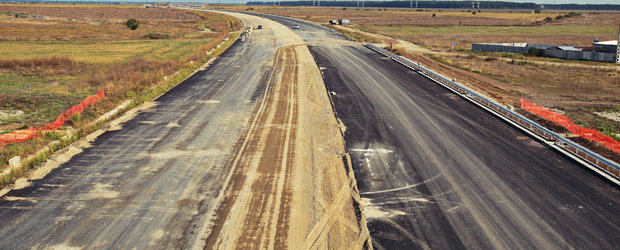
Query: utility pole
{"points": [[618, 47]]}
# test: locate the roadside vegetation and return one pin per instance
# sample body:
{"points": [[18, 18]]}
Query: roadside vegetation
{"points": [[51, 63], [581, 90]]}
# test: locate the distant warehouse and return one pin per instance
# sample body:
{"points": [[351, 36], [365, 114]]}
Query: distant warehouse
{"points": [[600, 51], [606, 46]]}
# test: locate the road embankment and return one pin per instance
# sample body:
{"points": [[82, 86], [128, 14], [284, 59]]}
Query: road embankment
{"points": [[291, 185]]}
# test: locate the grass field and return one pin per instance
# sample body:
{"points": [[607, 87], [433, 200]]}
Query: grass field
{"points": [[50, 64], [441, 37], [102, 51]]}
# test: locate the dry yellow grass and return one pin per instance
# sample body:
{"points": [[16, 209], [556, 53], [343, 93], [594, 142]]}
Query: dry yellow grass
{"points": [[546, 84]]}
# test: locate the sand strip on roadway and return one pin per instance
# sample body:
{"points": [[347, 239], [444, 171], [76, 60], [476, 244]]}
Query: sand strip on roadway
{"points": [[291, 186]]}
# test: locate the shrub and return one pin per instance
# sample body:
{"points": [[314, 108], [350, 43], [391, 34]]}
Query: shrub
{"points": [[36, 62], [534, 52], [132, 24], [157, 35], [54, 136]]}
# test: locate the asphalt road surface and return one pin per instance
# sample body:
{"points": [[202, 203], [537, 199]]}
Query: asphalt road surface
{"points": [[438, 172], [151, 183], [309, 32]]}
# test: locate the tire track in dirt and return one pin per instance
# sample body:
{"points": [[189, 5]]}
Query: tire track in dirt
{"points": [[286, 190], [259, 192], [291, 184]]}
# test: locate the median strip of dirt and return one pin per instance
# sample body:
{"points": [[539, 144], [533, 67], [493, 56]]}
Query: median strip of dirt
{"points": [[291, 183]]}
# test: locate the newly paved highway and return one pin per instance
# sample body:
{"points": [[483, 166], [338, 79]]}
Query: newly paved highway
{"points": [[152, 183], [434, 170], [438, 172]]}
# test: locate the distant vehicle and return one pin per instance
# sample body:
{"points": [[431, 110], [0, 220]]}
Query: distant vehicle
{"points": [[296, 26], [260, 27]]}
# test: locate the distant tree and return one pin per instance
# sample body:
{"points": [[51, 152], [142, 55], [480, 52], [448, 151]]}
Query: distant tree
{"points": [[534, 52], [548, 19], [537, 11], [433, 14], [132, 24]]}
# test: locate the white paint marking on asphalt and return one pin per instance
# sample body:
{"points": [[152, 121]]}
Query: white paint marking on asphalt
{"points": [[373, 150]]}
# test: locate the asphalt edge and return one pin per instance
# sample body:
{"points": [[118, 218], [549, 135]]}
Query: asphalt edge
{"points": [[346, 158]]}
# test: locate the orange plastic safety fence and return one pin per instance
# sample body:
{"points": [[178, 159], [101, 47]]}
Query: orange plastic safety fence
{"points": [[28, 134], [590, 134]]}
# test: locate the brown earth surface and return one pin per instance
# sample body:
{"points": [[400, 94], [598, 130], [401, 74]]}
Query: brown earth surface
{"points": [[291, 181]]}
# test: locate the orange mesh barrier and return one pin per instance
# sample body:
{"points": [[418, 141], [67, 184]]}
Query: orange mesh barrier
{"points": [[27, 134], [586, 133]]}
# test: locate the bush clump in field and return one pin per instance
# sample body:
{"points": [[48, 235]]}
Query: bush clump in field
{"points": [[157, 35], [42, 66], [132, 24], [36, 62], [534, 52]]}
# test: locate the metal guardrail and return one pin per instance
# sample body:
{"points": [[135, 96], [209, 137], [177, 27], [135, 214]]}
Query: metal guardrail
{"points": [[576, 149]]}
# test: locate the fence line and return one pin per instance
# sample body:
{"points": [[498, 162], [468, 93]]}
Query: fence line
{"points": [[28, 134]]}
